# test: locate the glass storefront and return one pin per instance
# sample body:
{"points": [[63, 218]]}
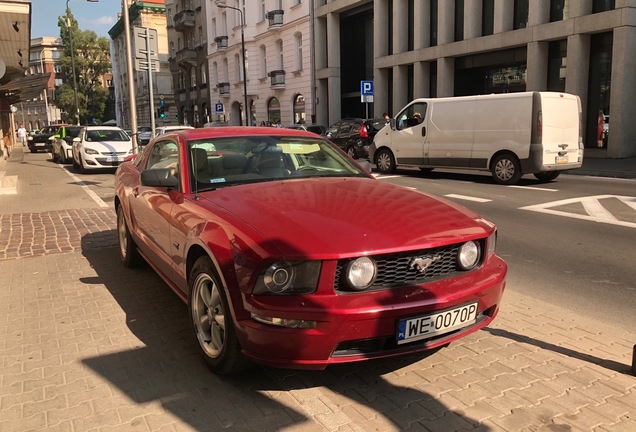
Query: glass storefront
{"points": [[599, 90]]}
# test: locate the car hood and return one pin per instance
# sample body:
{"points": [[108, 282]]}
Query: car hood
{"points": [[327, 218], [109, 146]]}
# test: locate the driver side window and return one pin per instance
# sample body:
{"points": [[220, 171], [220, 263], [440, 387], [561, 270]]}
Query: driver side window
{"points": [[164, 154], [412, 116]]}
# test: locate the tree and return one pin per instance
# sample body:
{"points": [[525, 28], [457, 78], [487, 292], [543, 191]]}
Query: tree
{"points": [[92, 61]]}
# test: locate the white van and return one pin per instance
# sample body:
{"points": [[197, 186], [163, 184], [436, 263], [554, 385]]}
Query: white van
{"points": [[508, 134]]}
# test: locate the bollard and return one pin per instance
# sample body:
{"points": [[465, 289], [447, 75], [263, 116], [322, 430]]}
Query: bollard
{"points": [[634, 361]]}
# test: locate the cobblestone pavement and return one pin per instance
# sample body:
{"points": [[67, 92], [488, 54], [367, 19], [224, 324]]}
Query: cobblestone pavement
{"points": [[87, 345]]}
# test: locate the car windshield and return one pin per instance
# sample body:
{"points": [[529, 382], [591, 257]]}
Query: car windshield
{"points": [[230, 161], [73, 131], [106, 135]]}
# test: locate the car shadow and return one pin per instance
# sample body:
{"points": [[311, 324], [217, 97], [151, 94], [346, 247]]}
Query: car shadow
{"points": [[155, 360]]}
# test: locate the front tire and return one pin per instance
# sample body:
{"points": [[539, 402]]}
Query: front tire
{"points": [[211, 320], [128, 253], [385, 162], [546, 176], [506, 169]]}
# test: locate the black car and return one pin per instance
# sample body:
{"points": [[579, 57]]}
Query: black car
{"points": [[40, 140], [355, 135], [310, 127]]}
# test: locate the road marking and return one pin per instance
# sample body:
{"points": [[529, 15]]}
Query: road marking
{"points": [[84, 186], [381, 176], [592, 206], [468, 198], [534, 188]]}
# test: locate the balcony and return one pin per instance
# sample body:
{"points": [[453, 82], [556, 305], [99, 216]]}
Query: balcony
{"points": [[224, 88], [275, 18], [278, 79], [221, 42], [187, 58], [184, 20]]}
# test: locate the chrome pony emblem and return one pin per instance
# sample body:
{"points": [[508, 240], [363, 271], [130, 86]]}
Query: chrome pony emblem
{"points": [[422, 263], [563, 146]]}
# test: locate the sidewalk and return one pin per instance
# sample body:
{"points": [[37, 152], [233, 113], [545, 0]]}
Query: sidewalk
{"points": [[619, 168]]}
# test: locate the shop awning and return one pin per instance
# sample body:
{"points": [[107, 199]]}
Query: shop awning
{"points": [[25, 88]]}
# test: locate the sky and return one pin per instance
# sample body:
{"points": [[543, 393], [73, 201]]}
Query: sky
{"points": [[99, 17]]}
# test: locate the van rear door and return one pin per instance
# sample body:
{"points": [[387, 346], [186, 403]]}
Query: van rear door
{"points": [[559, 130]]}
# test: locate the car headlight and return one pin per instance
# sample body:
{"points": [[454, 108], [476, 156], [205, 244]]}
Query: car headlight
{"points": [[285, 277], [468, 255], [90, 151], [361, 273]]}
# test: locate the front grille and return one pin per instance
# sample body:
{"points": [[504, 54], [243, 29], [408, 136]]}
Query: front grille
{"points": [[396, 270]]}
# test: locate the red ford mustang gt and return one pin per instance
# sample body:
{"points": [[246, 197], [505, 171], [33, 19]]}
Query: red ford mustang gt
{"points": [[290, 254]]}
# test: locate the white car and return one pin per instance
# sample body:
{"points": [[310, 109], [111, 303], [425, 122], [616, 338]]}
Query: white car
{"points": [[99, 147], [165, 129]]}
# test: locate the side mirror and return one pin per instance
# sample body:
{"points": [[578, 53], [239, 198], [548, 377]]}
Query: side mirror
{"points": [[392, 123], [77, 140], [162, 177]]}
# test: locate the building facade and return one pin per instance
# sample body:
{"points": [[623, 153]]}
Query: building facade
{"points": [[187, 41], [44, 58], [147, 14], [435, 48], [278, 62]]}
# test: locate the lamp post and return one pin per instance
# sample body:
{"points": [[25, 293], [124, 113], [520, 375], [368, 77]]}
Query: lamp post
{"points": [[221, 4], [70, 38], [46, 90]]}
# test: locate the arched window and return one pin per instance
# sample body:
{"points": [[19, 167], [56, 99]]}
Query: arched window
{"points": [[299, 109], [273, 111]]}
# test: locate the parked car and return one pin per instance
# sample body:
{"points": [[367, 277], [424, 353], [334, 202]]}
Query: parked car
{"points": [[145, 135], [165, 129], [99, 147], [310, 127], [354, 135], [63, 143], [238, 232], [216, 124], [40, 140]]}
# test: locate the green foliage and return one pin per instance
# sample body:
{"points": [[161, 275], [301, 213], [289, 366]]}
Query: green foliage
{"points": [[92, 61]]}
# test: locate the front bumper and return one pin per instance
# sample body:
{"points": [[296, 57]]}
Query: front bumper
{"points": [[362, 326]]}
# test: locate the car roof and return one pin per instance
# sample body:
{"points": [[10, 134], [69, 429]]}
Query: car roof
{"points": [[103, 128], [173, 127], [229, 131]]}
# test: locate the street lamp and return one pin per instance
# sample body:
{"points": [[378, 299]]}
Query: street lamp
{"points": [[221, 4], [70, 38]]}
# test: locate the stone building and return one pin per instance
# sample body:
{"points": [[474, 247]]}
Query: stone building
{"points": [[435, 48]]}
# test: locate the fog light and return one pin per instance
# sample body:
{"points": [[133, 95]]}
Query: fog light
{"points": [[285, 322]]}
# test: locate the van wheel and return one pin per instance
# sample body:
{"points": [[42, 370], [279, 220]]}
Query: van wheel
{"points": [[506, 169], [385, 162], [546, 176]]}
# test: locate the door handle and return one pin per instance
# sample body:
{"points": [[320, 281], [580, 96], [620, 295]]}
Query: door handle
{"points": [[424, 131]]}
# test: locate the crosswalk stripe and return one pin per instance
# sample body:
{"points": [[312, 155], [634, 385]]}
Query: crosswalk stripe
{"points": [[534, 188], [467, 198]]}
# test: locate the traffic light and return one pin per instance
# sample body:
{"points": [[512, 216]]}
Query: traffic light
{"points": [[162, 112]]}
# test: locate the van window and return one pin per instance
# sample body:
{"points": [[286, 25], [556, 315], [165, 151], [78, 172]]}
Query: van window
{"points": [[412, 115]]}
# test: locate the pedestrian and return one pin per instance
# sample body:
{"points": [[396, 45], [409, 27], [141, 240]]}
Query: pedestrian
{"points": [[599, 130], [7, 145], [387, 117], [22, 135]]}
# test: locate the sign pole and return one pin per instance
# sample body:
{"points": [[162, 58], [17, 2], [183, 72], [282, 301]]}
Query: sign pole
{"points": [[150, 90]]}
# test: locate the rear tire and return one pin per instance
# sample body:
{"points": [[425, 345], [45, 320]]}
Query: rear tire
{"points": [[546, 176], [211, 320], [385, 162], [506, 169]]}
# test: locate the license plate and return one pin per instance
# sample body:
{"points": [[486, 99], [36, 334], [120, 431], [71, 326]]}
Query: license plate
{"points": [[113, 159], [423, 327], [562, 159]]}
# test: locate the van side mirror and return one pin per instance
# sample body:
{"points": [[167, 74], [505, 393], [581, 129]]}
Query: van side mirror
{"points": [[392, 123]]}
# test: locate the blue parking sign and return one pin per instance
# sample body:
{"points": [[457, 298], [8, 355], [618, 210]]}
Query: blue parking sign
{"points": [[218, 108], [366, 88]]}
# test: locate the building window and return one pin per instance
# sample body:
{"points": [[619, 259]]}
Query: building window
{"points": [[273, 111], [239, 69], [193, 78], [433, 35], [204, 75], [520, 14], [487, 17], [599, 86], [262, 11], [602, 5], [55, 54], [298, 42], [459, 20], [557, 61], [299, 109], [264, 70], [280, 63], [559, 10]]}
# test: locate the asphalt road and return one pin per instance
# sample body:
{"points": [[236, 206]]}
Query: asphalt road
{"points": [[569, 242]]}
